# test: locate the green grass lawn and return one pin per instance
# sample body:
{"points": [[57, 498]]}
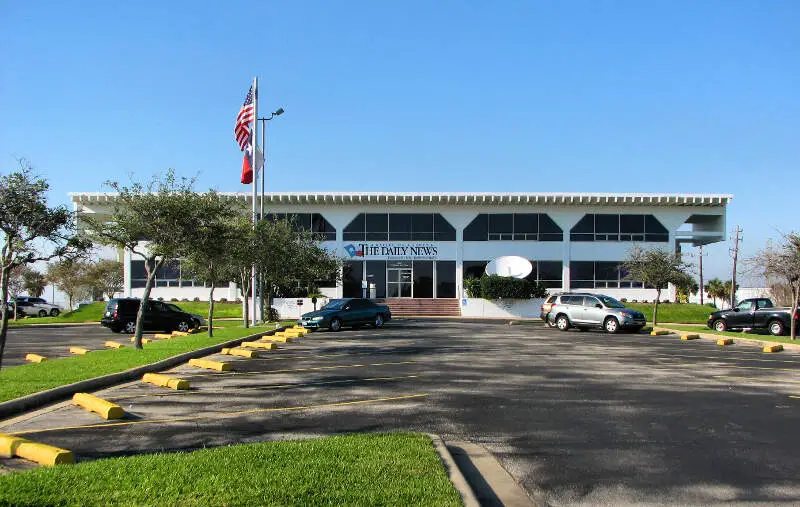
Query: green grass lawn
{"points": [[757, 334], [372, 469], [94, 312], [686, 313], [16, 381]]}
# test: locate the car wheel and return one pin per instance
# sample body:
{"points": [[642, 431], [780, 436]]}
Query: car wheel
{"points": [[378, 322], [183, 326], [776, 328], [335, 325], [562, 322], [54, 312], [129, 327], [42, 313], [720, 325], [611, 325]]}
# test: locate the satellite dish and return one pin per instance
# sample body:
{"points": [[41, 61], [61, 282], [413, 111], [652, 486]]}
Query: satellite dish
{"points": [[509, 265]]}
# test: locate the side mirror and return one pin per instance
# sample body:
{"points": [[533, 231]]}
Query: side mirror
{"points": [[736, 309], [598, 305]]}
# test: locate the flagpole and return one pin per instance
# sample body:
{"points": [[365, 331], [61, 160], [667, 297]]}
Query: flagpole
{"points": [[254, 280], [261, 208]]}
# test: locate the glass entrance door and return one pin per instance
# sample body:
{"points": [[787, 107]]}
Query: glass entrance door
{"points": [[399, 279]]}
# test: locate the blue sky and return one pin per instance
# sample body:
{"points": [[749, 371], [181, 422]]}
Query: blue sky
{"points": [[530, 96]]}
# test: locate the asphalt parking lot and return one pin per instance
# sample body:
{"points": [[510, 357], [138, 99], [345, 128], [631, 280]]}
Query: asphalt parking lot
{"points": [[54, 341], [578, 417]]}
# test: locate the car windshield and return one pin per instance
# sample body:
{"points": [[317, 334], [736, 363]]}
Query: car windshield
{"points": [[611, 302], [335, 304]]}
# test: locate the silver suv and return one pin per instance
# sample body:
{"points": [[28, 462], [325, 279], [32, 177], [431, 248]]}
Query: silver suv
{"points": [[583, 310]]}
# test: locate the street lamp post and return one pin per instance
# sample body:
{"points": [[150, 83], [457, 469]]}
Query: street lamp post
{"points": [[258, 287]]}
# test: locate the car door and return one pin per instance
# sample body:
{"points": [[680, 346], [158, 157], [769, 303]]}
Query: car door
{"points": [[742, 316], [151, 319], [573, 307], [593, 311], [761, 314], [360, 311]]}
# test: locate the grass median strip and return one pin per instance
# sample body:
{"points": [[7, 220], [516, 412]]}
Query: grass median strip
{"points": [[17, 381], [378, 469]]}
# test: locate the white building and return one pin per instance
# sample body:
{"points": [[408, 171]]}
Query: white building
{"points": [[422, 246]]}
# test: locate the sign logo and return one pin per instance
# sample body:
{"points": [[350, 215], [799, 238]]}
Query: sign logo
{"points": [[353, 252], [402, 251]]}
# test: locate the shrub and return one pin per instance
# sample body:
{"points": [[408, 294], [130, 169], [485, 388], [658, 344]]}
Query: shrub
{"points": [[223, 300], [473, 287], [160, 299], [196, 300], [495, 287], [185, 300], [623, 300], [273, 314], [239, 300], [174, 299]]}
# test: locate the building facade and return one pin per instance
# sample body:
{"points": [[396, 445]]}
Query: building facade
{"points": [[423, 245]]}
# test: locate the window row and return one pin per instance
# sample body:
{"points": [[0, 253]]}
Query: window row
{"points": [[168, 275], [600, 275], [614, 227], [313, 222], [399, 227], [513, 227], [547, 273]]}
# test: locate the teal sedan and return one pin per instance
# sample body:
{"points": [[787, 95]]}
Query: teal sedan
{"points": [[346, 312]]}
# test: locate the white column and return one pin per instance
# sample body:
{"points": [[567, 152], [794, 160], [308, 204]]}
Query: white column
{"points": [[460, 263], [339, 247], [565, 258]]}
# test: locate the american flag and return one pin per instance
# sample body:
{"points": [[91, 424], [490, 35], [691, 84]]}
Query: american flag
{"points": [[246, 115]]}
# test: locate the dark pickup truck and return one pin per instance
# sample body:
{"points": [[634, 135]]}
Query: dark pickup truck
{"points": [[754, 313]]}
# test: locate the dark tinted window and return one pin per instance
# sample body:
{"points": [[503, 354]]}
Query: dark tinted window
{"points": [[377, 226], [423, 279], [478, 229], [376, 273], [590, 301], [442, 229], [352, 274], [445, 279], [422, 227], [355, 230], [474, 269], [400, 226]]}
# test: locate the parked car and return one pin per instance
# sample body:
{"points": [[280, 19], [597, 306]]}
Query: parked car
{"points": [[120, 316], [586, 310], [37, 307], [346, 312], [753, 313]]}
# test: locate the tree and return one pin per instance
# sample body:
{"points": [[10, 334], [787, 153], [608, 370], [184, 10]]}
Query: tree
{"points": [[33, 282], [657, 268], [16, 284], [728, 294], [31, 231], [156, 222], [106, 276], [207, 258], [780, 265], [716, 289], [285, 256], [685, 285], [70, 277]]}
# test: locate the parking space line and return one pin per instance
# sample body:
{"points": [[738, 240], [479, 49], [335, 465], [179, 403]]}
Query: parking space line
{"points": [[260, 388], [723, 358], [223, 415], [770, 380], [733, 366], [291, 370]]}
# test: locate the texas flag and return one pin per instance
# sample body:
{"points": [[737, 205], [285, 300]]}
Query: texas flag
{"points": [[247, 162]]}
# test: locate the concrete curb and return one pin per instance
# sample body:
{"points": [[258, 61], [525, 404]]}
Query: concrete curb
{"points": [[736, 339], [61, 324], [456, 477], [61, 393]]}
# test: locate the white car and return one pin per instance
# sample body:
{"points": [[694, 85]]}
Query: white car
{"points": [[37, 307]]}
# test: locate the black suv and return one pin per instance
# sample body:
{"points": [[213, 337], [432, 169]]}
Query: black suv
{"points": [[120, 316]]}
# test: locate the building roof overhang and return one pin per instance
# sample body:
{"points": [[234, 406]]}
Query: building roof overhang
{"points": [[456, 198]]}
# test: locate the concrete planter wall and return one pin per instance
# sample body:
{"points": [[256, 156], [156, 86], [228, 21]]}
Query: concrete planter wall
{"points": [[502, 308]]}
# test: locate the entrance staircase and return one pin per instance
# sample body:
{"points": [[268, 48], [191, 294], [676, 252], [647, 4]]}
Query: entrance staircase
{"points": [[418, 307]]}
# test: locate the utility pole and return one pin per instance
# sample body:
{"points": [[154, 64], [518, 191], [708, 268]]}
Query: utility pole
{"points": [[701, 275], [736, 237]]}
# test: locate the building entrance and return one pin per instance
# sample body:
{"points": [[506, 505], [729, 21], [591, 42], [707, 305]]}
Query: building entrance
{"points": [[399, 279]]}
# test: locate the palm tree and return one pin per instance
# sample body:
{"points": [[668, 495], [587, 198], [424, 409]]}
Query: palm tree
{"points": [[716, 289]]}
